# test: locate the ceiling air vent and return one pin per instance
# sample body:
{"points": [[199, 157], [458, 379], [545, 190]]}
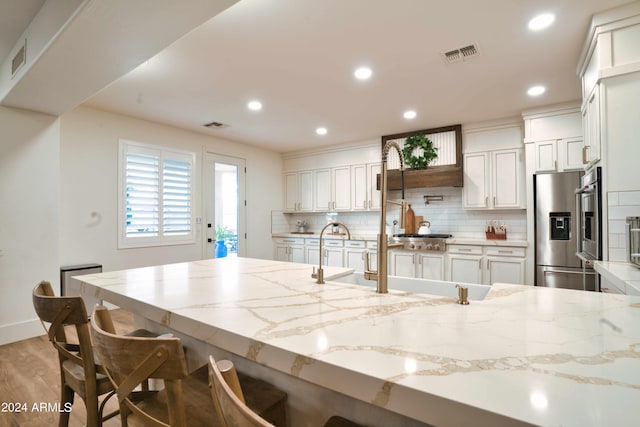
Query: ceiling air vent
{"points": [[460, 54], [216, 125], [19, 59]]}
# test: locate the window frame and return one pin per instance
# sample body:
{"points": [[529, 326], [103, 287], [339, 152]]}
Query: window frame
{"points": [[162, 153]]}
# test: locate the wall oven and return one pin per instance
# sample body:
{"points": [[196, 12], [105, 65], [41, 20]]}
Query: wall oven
{"points": [[633, 240], [589, 226]]}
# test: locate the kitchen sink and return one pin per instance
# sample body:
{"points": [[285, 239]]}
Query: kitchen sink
{"points": [[420, 286]]}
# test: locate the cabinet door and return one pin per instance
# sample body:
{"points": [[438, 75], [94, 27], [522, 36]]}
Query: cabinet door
{"points": [[505, 270], [572, 154], [341, 189], [359, 199], [465, 268], [373, 193], [291, 191], [312, 254], [354, 258], [476, 181], [546, 156], [305, 185], [507, 178], [322, 190], [281, 253], [402, 263], [592, 127], [333, 257], [430, 266], [296, 254]]}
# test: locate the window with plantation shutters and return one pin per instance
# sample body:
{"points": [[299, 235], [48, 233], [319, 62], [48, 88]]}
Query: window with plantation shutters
{"points": [[155, 207]]}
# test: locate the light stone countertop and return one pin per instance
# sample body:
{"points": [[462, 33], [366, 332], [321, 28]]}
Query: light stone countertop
{"points": [[524, 355], [623, 275]]}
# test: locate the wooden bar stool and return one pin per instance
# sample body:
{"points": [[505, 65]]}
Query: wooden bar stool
{"points": [[79, 374], [185, 399], [229, 400]]}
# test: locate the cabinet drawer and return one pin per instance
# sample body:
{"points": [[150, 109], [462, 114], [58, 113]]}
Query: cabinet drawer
{"points": [[312, 242], [355, 244], [372, 245], [288, 241], [505, 251], [333, 243], [464, 249]]}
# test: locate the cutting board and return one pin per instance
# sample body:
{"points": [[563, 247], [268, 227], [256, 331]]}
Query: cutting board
{"points": [[419, 219], [410, 221]]}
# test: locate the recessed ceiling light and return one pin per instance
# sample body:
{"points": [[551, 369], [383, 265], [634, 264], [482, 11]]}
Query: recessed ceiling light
{"points": [[321, 131], [363, 73], [541, 21], [410, 114], [254, 105], [536, 90]]}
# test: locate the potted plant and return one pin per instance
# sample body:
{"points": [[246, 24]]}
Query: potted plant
{"points": [[222, 233]]}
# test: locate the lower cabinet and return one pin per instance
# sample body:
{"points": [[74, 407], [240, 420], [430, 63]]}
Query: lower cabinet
{"points": [[354, 253], [486, 265], [332, 252], [289, 250], [421, 265]]}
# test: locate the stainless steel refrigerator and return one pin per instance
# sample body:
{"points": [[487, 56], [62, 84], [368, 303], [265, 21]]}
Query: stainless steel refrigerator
{"points": [[556, 233]]}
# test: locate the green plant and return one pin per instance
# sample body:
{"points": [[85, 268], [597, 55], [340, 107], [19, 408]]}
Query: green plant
{"points": [[413, 145], [223, 232]]}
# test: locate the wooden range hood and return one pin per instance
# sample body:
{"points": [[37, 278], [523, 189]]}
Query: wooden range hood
{"points": [[434, 176]]}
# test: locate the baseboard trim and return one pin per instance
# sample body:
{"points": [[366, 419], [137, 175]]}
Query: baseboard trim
{"points": [[20, 331]]}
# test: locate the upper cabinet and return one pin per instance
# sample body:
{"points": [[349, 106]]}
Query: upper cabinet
{"points": [[364, 194], [298, 191], [555, 138], [609, 69], [494, 167], [332, 189]]}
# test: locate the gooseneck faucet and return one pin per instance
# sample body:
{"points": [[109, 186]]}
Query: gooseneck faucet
{"points": [[319, 275], [381, 274]]}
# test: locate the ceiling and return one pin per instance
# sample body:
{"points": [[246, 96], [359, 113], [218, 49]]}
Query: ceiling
{"points": [[15, 16], [298, 56]]}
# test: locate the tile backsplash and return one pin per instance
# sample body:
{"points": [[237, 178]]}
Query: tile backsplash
{"points": [[620, 205], [446, 216]]}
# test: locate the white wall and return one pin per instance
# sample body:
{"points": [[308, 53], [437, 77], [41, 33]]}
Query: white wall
{"points": [[88, 168], [29, 177]]}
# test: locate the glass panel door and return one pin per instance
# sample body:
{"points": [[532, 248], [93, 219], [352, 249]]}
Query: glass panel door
{"points": [[224, 199]]}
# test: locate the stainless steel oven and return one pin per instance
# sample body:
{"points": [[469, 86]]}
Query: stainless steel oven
{"points": [[633, 240], [589, 204]]}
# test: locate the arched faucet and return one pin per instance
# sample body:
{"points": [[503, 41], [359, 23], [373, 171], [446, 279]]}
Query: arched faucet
{"points": [[319, 275]]}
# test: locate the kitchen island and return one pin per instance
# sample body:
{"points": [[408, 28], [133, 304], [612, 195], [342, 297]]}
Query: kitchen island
{"points": [[523, 355]]}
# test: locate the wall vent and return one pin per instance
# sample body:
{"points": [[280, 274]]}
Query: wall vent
{"points": [[216, 125], [19, 59], [460, 54]]}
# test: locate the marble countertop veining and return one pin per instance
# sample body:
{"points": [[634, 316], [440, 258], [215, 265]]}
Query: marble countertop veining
{"points": [[524, 355]]}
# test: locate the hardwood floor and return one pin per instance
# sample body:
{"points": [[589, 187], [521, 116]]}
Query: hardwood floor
{"points": [[30, 380]]}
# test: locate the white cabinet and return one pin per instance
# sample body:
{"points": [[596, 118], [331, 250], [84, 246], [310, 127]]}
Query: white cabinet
{"points": [[488, 265], [289, 250], [332, 252], [591, 123], [332, 189], [464, 264], [505, 265], [364, 195], [354, 253], [421, 265], [559, 155], [298, 191], [494, 180]]}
